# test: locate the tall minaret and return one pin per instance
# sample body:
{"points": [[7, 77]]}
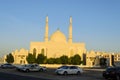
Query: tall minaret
{"points": [[70, 31], [46, 30]]}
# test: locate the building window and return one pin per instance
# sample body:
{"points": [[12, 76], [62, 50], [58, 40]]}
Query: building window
{"points": [[115, 59], [107, 56], [118, 59], [22, 56], [34, 51], [20, 61], [42, 51], [118, 55], [115, 55]]}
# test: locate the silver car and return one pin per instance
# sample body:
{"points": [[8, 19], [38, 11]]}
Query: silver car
{"points": [[65, 70], [31, 67], [7, 65]]}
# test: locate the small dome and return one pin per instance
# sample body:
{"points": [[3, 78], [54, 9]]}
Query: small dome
{"points": [[58, 36]]}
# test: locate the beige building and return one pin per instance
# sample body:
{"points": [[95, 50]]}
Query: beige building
{"points": [[93, 57], [58, 44], [19, 56]]}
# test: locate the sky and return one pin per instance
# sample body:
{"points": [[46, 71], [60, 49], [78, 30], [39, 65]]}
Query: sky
{"points": [[95, 22]]}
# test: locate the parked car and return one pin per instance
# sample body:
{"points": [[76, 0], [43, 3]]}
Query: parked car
{"points": [[65, 70], [112, 73], [7, 65], [31, 67]]}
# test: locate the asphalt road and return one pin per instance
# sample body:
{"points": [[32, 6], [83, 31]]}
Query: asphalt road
{"points": [[8, 76], [13, 74]]}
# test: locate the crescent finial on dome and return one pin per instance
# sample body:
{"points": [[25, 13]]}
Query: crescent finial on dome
{"points": [[58, 29]]}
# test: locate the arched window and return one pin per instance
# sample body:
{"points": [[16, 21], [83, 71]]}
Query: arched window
{"points": [[24, 61], [20, 61], [42, 51], [34, 51]]}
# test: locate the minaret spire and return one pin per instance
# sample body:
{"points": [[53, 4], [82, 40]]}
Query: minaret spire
{"points": [[46, 30], [70, 31]]}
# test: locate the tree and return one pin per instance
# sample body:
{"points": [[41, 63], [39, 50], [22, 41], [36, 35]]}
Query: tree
{"points": [[76, 59], [64, 59], [9, 58], [103, 62], [57, 61], [31, 58], [41, 59], [51, 61]]}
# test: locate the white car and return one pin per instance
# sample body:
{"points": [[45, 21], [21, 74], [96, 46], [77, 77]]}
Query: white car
{"points": [[65, 70], [31, 67]]}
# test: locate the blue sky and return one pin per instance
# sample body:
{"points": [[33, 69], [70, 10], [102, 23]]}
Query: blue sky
{"points": [[95, 22]]}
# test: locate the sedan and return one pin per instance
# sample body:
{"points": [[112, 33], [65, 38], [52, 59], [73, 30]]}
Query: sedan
{"points": [[65, 70], [7, 65], [31, 67]]}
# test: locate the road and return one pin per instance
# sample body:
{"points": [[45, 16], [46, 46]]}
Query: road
{"points": [[8, 76], [13, 74]]}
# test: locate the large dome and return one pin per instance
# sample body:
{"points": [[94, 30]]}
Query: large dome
{"points": [[58, 36]]}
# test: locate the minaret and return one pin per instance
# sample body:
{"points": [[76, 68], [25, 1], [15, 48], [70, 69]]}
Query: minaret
{"points": [[70, 31], [46, 30]]}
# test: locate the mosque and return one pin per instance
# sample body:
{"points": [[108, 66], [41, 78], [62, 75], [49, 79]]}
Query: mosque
{"points": [[58, 44]]}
